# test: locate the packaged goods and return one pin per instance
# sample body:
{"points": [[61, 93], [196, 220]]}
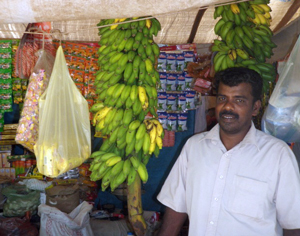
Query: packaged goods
{"points": [[28, 128]]}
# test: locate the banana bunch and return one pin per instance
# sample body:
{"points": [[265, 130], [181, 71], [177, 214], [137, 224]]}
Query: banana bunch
{"points": [[126, 88], [245, 36], [115, 165]]}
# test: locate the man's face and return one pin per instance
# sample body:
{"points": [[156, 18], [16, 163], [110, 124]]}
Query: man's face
{"points": [[235, 108]]}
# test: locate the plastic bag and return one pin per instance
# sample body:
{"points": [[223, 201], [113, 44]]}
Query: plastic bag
{"points": [[56, 223], [27, 132], [64, 140], [20, 200], [282, 116], [26, 57]]}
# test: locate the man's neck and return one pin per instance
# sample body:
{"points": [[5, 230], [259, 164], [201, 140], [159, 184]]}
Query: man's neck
{"points": [[231, 140]]}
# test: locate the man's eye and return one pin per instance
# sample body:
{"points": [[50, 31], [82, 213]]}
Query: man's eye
{"points": [[221, 98], [240, 100]]}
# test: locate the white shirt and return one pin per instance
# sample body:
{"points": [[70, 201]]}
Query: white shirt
{"points": [[251, 190]]}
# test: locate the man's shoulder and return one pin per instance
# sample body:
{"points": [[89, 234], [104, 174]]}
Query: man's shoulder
{"points": [[198, 137], [263, 138]]}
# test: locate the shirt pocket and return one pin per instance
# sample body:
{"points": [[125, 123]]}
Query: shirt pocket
{"points": [[248, 197]]}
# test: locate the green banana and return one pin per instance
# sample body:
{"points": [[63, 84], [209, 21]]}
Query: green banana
{"points": [[128, 115], [113, 136], [116, 57], [131, 55], [138, 144], [129, 44], [135, 162], [128, 71], [117, 168], [126, 167], [126, 92], [131, 176], [122, 131], [225, 29], [146, 143], [130, 134], [119, 89], [123, 60], [143, 173], [128, 103], [218, 26], [130, 147]]}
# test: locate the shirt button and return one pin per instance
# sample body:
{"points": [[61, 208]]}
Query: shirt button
{"points": [[221, 176], [216, 199], [211, 222]]}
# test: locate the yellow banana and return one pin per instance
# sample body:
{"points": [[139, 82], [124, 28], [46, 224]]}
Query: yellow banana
{"points": [[235, 8], [258, 9], [102, 113], [267, 15], [262, 19], [232, 54], [152, 134], [159, 142], [146, 104], [265, 7], [142, 94], [143, 173], [122, 19], [256, 19], [148, 23], [100, 125], [159, 128], [152, 147], [113, 26], [148, 124]]}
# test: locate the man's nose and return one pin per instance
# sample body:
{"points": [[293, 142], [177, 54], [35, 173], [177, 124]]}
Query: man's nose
{"points": [[229, 105]]}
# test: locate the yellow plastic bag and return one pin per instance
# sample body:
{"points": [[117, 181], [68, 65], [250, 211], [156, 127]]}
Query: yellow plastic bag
{"points": [[64, 140]]}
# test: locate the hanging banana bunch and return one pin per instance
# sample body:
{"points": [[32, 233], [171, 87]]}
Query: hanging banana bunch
{"points": [[246, 39], [126, 88]]}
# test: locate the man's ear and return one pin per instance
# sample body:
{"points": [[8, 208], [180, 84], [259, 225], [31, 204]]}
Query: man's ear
{"points": [[256, 108]]}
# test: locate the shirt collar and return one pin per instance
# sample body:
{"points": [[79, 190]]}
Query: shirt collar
{"points": [[250, 138]]}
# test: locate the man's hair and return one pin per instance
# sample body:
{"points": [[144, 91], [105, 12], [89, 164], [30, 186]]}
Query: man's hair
{"points": [[237, 75]]}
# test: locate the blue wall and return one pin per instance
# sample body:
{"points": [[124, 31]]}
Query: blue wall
{"points": [[158, 169]]}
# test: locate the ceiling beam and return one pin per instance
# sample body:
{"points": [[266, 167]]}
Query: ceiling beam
{"points": [[196, 25], [288, 15]]}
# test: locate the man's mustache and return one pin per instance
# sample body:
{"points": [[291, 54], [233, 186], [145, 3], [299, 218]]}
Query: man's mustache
{"points": [[228, 113]]}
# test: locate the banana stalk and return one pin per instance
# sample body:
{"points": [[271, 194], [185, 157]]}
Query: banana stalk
{"points": [[135, 210]]}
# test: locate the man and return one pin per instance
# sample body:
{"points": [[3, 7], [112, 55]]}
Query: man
{"points": [[233, 180]]}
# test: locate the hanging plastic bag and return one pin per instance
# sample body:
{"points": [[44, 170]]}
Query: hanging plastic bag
{"points": [[282, 116], [27, 132], [64, 140]]}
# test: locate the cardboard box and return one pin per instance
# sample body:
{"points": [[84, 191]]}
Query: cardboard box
{"points": [[4, 160], [12, 173], [2, 171], [7, 172], [10, 126]]}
